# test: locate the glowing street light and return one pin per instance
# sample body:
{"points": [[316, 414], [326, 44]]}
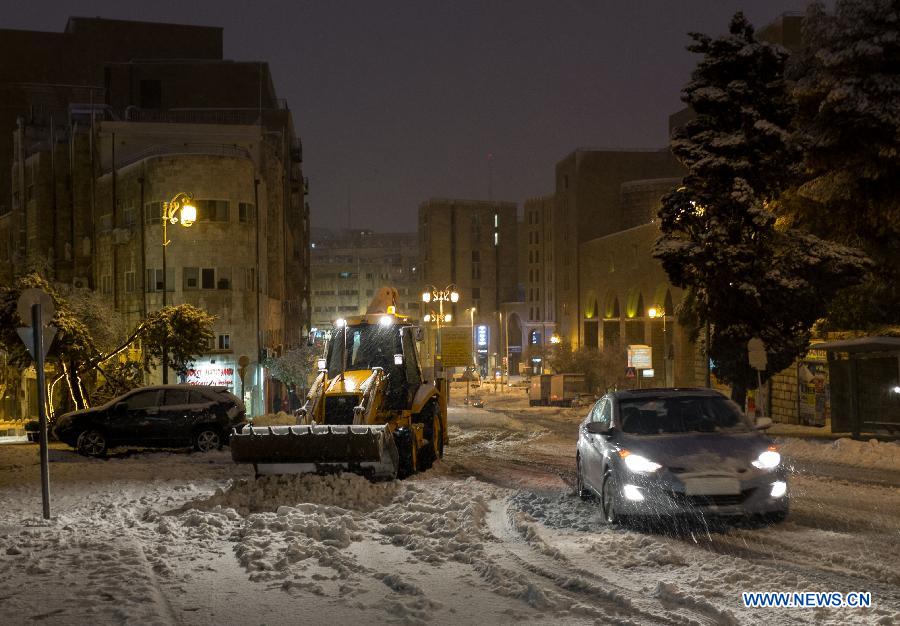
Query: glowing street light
{"points": [[177, 210], [448, 294]]}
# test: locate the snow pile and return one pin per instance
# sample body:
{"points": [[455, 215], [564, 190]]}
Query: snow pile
{"points": [[269, 493], [275, 419], [872, 454]]}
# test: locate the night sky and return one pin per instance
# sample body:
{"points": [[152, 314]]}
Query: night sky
{"points": [[397, 102]]}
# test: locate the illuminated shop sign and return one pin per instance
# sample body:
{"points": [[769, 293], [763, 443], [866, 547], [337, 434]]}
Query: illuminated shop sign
{"points": [[213, 374], [482, 335]]}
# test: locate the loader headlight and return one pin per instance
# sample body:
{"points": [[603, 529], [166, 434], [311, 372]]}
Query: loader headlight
{"points": [[340, 322], [767, 460], [398, 359], [321, 364], [386, 320]]}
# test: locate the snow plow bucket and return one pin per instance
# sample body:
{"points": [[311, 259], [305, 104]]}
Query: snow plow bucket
{"points": [[366, 450]]}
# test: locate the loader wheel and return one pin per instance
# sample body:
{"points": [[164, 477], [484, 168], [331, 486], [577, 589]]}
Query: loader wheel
{"points": [[434, 449], [403, 438]]}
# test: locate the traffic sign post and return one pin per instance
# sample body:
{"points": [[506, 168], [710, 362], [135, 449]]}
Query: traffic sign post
{"points": [[759, 360], [37, 305], [640, 357]]}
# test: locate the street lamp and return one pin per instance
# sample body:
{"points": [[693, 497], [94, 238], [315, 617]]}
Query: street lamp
{"points": [[472, 331], [654, 312], [177, 210], [448, 294]]}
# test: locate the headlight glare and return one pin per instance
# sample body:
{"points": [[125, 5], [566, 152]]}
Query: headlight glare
{"points": [[779, 488], [638, 463], [767, 460]]}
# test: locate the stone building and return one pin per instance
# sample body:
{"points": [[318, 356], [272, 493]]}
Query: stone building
{"points": [[589, 203], [88, 181], [348, 267], [472, 244]]}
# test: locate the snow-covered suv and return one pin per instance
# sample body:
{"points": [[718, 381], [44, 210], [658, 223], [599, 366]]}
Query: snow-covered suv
{"points": [[161, 416]]}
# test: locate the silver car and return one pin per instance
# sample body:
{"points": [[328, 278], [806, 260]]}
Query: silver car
{"points": [[668, 452]]}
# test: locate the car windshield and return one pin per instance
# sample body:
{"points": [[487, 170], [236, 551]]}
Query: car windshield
{"points": [[680, 414]]}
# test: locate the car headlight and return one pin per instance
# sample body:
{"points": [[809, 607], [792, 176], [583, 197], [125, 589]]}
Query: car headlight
{"points": [[638, 463], [779, 488], [770, 459]]}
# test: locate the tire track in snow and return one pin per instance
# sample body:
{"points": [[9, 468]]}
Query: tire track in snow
{"points": [[616, 603]]}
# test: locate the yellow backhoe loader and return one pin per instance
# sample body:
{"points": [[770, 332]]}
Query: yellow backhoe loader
{"points": [[369, 410]]}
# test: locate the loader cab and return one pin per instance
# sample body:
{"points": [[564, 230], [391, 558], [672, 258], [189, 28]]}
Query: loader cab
{"points": [[382, 341]]}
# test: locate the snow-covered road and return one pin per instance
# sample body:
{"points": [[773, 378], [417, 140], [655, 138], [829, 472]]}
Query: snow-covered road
{"points": [[493, 534]]}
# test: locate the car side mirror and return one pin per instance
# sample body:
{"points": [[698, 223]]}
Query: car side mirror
{"points": [[419, 333], [597, 428], [763, 423]]}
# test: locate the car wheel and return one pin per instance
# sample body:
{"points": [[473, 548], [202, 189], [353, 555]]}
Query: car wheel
{"points": [[770, 519], [91, 443], [609, 500], [207, 439]]}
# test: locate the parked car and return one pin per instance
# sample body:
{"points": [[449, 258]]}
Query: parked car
{"points": [[666, 452], [161, 416]]}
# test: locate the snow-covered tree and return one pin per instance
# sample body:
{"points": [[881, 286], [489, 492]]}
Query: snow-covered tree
{"points": [[184, 330], [294, 367], [847, 86], [176, 335], [743, 277], [72, 347]]}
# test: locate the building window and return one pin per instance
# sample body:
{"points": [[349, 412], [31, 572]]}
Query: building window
{"points": [[153, 212], [476, 293], [155, 279], [106, 284], [207, 278], [129, 282], [246, 213], [212, 210], [476, 271], [223, 280], [190, 278], [250, 279], [224, 342], [129, 215]]}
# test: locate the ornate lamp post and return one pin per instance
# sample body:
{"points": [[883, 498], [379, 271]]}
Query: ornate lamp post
{"points": [[432, 294], [177, 210]]}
